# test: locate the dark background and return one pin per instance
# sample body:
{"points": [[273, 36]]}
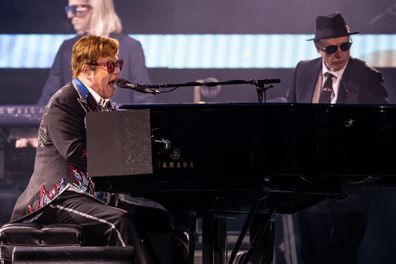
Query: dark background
{"points": [[205, 16]]}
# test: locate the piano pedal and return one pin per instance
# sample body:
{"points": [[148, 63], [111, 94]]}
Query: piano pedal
{"points": [[240, 257]]}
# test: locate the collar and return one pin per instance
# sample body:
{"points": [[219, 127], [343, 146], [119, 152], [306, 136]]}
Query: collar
{"points": [[338, 74], [99, 99], [85, 89]]}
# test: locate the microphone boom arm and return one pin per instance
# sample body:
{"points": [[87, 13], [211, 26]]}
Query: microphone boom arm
{"points": [[209, 84], [261, 87]]}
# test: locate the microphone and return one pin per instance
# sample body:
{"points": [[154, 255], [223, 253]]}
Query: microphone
{"points": [[123, 83]]}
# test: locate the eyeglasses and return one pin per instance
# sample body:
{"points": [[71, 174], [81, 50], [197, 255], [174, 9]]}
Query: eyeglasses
{"points": [[77, 10], [333, 48], [110, 65]]}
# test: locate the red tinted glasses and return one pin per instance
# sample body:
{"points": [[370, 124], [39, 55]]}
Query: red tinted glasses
{"points": [[110, 65]]}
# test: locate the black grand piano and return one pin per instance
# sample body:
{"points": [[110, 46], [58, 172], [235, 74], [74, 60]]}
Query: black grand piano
{"points": [[215, 159]]}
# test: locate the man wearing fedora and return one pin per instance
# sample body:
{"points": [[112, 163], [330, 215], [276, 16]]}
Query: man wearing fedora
{"points": [[331, 231], [353, 81]]}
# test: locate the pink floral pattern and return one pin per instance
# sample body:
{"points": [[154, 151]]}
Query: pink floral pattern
{"points": [[80, 181], [46, 197]]}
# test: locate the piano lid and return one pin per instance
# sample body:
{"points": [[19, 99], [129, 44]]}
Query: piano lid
{"points": [[214, 141]]}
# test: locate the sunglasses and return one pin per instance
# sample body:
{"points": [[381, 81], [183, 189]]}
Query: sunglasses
{"points": [[76, 10], [333, 48], [110, 65]]}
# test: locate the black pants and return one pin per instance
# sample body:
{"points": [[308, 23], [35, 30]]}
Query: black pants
{"points": [[331, 231], [148, 229]]}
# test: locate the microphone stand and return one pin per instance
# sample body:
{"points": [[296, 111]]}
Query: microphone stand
{"points": [[261, 86]]}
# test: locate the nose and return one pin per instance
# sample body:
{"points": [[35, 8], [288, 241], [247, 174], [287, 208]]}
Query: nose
{"points": [[339, 52]]}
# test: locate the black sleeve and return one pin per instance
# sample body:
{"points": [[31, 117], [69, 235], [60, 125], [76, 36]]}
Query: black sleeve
{"points": [[291, 89], [377, 93]]}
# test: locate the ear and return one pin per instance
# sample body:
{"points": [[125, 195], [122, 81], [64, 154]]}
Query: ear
{"points": [[87, 71]]}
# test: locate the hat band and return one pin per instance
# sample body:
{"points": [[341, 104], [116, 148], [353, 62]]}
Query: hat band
{"points": [[324, 33]]}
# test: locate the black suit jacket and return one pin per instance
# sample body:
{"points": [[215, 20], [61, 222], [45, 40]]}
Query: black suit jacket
{"points": [[360, 84], [61, 149], [134, 70]]}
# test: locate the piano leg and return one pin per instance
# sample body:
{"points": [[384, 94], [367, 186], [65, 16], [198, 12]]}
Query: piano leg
{"points": [[214, 239], [192, 236], [220, 244], [207, 239]]}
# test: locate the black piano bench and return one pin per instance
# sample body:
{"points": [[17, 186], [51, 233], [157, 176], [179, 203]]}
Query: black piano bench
{"points": [[22, 243]]}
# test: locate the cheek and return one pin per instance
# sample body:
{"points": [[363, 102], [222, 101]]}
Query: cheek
{"points": [[82, 22], [87, 20], [327, 58], [346, 54], [104, 81]]}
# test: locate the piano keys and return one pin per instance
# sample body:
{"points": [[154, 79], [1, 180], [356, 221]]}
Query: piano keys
{"points": [[18, 121]]}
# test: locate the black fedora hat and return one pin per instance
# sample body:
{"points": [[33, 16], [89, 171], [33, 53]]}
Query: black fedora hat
{"points": [[331, 26]]}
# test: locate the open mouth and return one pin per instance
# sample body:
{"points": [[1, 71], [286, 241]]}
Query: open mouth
{"points": [[112, 82]]}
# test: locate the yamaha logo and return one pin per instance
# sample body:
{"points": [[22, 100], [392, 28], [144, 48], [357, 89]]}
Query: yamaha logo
{"points": [[176, 163], [175, 154]]}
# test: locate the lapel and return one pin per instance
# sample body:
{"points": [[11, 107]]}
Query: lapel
{"points": [[87, 101], [348, 91], [92, 104], [309, 80]]}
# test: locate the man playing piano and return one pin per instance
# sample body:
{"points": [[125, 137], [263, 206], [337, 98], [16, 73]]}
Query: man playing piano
{"points": [[352, 80], [60, 191], [332, 230]]}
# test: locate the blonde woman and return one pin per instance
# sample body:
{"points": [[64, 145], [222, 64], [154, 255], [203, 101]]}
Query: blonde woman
{"points": [[98, 17]]}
